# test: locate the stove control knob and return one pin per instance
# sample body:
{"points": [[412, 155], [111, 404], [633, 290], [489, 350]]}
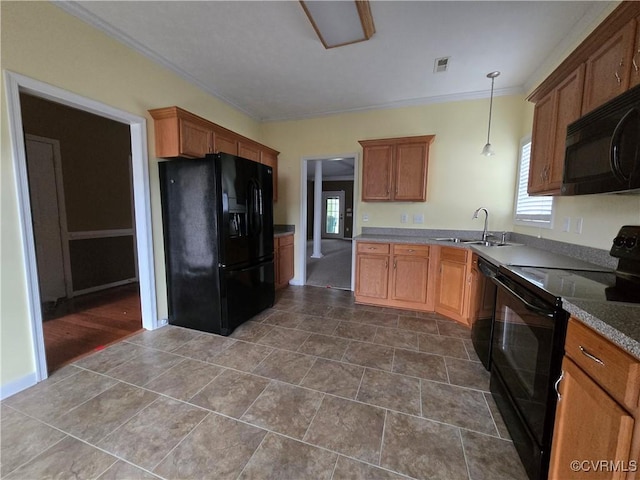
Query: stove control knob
{"points": [[619, 241], [630, 242]]}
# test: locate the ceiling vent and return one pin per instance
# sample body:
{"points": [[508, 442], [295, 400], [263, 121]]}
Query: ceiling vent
{"points": [[441, 65]]}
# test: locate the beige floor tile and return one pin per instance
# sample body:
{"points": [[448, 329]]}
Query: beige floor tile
{"points": [[324, 346], [22, 438], [111, 357], [145, 367], [280, 458], [417, 364], [467, 374], [336, 378], [98, 417], [350, 469], [204, 347], [390, 390], [285, 366], [457, 406], [125, 471], [421, 448], [369, 355], [284, 338], [492, 458], [69, 458], [393, 337], [242, 356], [167, 338], [351, 428], [447, 346], [218, 448], [231, 393], [284, 408], [150, 435], [184, 380]]}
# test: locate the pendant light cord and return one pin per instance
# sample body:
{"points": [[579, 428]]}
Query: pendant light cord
{"points": [[490, 109]]}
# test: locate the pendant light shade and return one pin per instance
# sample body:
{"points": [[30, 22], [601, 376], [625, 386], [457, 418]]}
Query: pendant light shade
{"points": [[487, 151]]}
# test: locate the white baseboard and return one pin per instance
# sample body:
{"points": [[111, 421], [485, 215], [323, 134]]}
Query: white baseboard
{"points": [[18, 385]]}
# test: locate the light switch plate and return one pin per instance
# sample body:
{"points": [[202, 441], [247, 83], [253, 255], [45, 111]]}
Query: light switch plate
{"points": [[418, 218], [566, 224], [404, 218]]}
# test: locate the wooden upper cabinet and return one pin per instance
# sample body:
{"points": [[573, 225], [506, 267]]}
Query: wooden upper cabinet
{"points": [[225, 143], [552, 115], [635, 60], [395, 169], [250, 151], [179, 133], [608, 69]]}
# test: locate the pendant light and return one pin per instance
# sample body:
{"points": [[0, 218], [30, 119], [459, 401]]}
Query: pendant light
{"points": [[487, 151]]}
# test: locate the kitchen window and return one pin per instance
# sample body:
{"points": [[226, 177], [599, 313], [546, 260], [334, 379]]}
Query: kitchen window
{"points": [[532, 211]]}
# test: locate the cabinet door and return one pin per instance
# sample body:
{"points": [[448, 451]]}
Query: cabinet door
{"points": [[409, 279], [225, 144], [372, 276], [285, 263], [246, 150], [635, 61], [376, 172], [542, 143], [195, 139], [410, 176], [268, 158], [452, 283], [276, 260], [590, 426], [608, 69], [568, 106]]}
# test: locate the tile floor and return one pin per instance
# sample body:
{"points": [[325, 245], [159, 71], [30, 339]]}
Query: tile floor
{"points": [[315, 388]]}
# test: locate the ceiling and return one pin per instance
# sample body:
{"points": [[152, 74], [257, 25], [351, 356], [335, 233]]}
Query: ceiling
{"points": [[265, 59]]}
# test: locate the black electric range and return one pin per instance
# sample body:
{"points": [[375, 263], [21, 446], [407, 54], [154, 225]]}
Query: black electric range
{"points": [[620, 285]]}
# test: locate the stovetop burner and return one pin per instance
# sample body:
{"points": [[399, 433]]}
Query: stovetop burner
{"points": [[621, 285]]}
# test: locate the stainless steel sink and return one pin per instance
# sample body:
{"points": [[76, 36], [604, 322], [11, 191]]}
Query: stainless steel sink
{"points": [[471, 242], [452, 240]]}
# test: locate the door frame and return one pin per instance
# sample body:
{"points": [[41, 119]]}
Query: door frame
{"points": [[14, 85], [301, 246], [62, 211], [340, 195]]}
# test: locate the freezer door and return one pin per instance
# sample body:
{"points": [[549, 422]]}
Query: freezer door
{"points": [[246, 292], [247, 211]]}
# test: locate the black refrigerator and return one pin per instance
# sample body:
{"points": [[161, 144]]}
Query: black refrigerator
{"points": [[217, 215]]}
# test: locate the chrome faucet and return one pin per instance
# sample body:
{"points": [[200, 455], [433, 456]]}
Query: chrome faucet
{"points": [[485, 234]]}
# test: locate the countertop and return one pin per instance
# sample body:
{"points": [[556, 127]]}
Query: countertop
{"points": [[618, 322]]}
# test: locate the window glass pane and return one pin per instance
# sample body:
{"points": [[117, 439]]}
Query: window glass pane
{"points": [[530, 210], [333, 215]]}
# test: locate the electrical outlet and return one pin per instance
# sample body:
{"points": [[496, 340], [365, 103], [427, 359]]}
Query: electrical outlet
{"points": [[566, 224], [578, 226], [418, 218], [365, 217], [162, 322], [404, 218]]}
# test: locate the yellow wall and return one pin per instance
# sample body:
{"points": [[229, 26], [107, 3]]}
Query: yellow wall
{"points": [[41, 41]]}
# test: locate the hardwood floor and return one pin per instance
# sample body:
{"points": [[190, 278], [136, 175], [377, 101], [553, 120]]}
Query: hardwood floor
{"points": [[84, 324]]}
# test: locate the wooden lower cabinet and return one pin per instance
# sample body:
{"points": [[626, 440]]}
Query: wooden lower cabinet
{"points": [[283, 261], [597, 431], [452, 287], [394, 275]]}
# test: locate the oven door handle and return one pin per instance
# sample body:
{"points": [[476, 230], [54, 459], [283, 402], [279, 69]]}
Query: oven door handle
{"points": [[528, 306]]}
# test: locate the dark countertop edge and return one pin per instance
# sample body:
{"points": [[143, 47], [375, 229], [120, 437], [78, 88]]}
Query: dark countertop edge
{"points": [[619, 323], [281, 230]]}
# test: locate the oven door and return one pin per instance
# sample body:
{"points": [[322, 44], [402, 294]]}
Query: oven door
{"points": [[526, 354]]}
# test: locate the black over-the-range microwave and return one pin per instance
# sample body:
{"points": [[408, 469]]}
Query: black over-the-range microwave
{"points": [[603, 149]]}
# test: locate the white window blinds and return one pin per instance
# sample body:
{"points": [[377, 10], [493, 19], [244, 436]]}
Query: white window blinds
{"points": [[530, 210]]}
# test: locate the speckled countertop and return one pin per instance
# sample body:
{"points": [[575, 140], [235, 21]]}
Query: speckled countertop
{"points": [[618, 322], [282, 230]]}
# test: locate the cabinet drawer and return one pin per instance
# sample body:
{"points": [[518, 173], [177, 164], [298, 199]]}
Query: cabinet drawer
{"points": [[382, 248], [615, 370], [285, 240], [453, 254], [411, 250]]}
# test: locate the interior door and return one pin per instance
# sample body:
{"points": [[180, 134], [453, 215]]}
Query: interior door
{"points": [[44, 178], [333, 214]]}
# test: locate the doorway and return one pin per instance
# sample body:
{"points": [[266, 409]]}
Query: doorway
{"points": [[17, 84], [80, 191], [334, 267]]}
